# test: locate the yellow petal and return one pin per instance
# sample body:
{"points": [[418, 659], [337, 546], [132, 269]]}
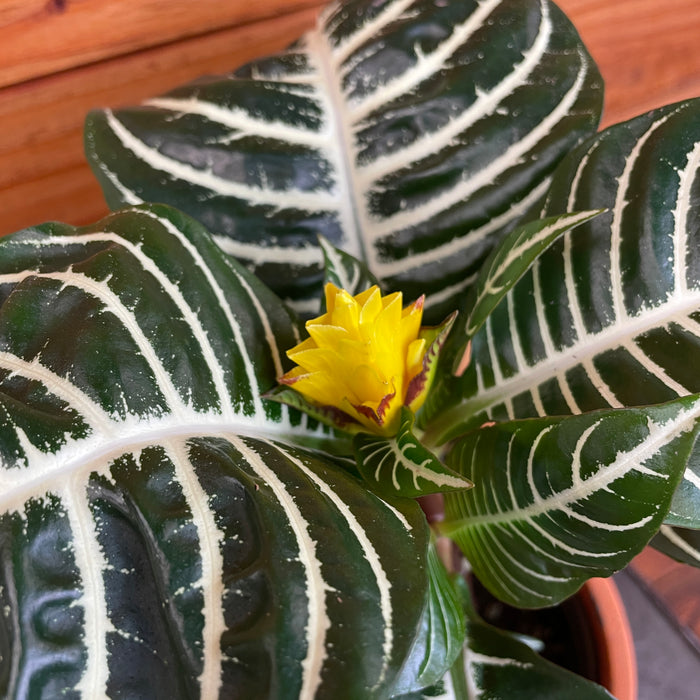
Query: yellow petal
{"points": [[360, 356]]}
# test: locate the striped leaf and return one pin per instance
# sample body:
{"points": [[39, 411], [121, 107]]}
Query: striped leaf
{"points": [[160, 534], [680, 543], [410, 133], [401, 465], [344, 270], [496, 665], [443, 631], [609, 315], [506, 264], [560, 500]]}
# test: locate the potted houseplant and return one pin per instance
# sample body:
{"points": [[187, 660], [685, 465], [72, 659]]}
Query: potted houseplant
{"points": [[179, 524]]}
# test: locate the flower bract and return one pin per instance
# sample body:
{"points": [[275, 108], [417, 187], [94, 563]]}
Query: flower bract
{"points": [[365, 357]]}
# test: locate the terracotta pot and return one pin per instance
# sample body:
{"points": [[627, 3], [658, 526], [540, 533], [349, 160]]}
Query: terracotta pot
{"points": [[617, 665]]}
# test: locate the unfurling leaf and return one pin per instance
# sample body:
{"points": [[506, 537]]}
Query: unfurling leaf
{"points": [[401, 465]]}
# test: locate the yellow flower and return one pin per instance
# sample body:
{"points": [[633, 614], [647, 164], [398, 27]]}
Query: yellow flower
{"points": [[365, 357]]}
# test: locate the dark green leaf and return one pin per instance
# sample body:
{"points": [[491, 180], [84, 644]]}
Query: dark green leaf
{"points": [[498, 666], [410, 134], [158, 532], [679, 543], [506, 264], [569, 498], [442, 633], [401, 465], [345, 271], [609, 315]]}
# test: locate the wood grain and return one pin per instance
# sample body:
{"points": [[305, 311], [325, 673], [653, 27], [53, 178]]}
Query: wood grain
{"points": [[648, 53], [43, 172], [41, 37]]}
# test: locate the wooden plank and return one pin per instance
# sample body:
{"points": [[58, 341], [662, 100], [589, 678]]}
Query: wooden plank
{"points": [[648, 51], [43, 173], [40, 37], [648, 56]]}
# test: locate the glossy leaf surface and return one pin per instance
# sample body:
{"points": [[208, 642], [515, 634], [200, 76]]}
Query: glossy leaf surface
{"points": [[609, 315], [507, 263], [560, 500], [401, 465], [442, 633], [682, 544], [160, 533], [410, 133], [498, 666]]}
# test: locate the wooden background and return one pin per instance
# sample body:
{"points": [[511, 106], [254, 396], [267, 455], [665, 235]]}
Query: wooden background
{"points": [[60, 58]]}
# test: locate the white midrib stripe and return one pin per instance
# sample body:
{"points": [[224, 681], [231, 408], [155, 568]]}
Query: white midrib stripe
{"points": [[341, 145], [78, 458], [316, 587], [212, 575], [417, 471], [587, 347], [626, 462]]}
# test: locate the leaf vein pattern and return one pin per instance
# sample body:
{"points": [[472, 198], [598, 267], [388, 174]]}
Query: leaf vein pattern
{"points": [[113, 304], [509, 158], [277, 200], [212, 575], [370, 553], [91, 564]]}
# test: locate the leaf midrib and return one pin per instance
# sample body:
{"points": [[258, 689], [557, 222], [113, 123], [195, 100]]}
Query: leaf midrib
{"points": [[95, 452], [562, 361]]}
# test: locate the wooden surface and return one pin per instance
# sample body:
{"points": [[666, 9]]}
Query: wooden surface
{"points": [[648, 51], [41, 37], [60, 58]]}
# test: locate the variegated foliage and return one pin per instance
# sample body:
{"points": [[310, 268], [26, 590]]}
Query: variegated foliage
{"points": [[495, 663], [608, 317], [161, 534], [560, 500], [498, 665], [411, 133]]}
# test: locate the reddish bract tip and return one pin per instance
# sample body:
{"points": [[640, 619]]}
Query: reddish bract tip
{"points": [[464, 362]]}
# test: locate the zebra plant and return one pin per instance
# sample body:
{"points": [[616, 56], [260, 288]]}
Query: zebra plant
{"points": [[606, 319], [176, 523], [410, 133]]}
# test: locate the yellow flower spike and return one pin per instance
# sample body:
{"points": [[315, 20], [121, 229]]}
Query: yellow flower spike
{"points": [[364, 360]]}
